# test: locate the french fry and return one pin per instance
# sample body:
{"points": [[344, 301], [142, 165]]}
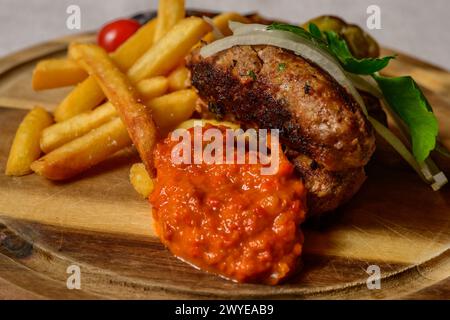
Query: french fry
{"points": [[56, 73], [25, 147], [119, 91], [179, 79], [152, 87], [171, 109], [132, 49], [87, 95], [63, 132], [140, 180], [168, 52], [84, 152], [74, 127], [221, 22], [169, 13]]}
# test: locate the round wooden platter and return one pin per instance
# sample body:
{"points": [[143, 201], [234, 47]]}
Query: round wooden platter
{"points": [[100, 224]]}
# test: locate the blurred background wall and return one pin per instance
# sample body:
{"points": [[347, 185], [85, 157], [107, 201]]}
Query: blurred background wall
{"points": [[419, 27]]}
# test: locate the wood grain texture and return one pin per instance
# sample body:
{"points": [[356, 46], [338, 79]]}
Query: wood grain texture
{"points": [[97, 221]]}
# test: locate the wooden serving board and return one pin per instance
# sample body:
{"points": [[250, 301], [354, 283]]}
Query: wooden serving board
{"points": [[99, 223]]}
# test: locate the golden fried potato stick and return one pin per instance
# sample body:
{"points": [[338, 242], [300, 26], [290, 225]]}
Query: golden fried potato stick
{"points": [[170, 50], [152, 87], [140, 180], [221, 22], [169, 13], [168, 53], [56, 73], [96, 145], [25, 147], [121, 93], [63, 132], [88, 94], [70, 129], [84, 152], [132, 49], [179, 79], [171, 109]]}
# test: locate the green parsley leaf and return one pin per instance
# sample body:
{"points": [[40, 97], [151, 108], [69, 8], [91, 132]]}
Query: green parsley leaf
{"points": [[251, 74], [281, 66], [315, 31], [299, 31], [339, 48], [290, 28], [408, 101]]}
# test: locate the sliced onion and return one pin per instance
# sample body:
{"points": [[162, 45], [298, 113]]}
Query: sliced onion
{"points": [[244, 28], [366, 84], [216, 32], [437, 176], [398, 145], [288, 41], [440, 180], [429, 169], [442, 149]]}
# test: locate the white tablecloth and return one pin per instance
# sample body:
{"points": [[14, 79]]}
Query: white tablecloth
{"points": [[419, 27]]}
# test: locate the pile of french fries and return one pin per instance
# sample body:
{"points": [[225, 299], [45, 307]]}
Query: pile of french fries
{"points": [[133, 95]]}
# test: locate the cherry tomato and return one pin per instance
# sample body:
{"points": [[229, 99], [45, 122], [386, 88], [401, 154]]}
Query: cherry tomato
{"points": [[113, 34]]}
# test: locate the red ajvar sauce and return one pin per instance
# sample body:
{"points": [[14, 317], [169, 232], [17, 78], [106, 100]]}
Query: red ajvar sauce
{"points": [[228, 218]]}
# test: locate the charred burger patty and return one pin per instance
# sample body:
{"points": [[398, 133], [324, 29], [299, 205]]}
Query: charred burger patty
{"points": [[326, 133]]}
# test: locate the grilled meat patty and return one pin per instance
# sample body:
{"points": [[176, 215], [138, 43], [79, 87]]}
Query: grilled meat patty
{"points": [[327, 190], [327, 136], [273, 88]]}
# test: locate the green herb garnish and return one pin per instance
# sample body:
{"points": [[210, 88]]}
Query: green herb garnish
{"points": [[315, 31], [313, 37], [407, 100], [281, 66], [251, 74], [290, 28], [339, 48]]}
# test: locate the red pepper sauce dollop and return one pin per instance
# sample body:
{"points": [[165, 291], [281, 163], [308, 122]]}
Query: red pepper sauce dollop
{"points": [[229, 219]]}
